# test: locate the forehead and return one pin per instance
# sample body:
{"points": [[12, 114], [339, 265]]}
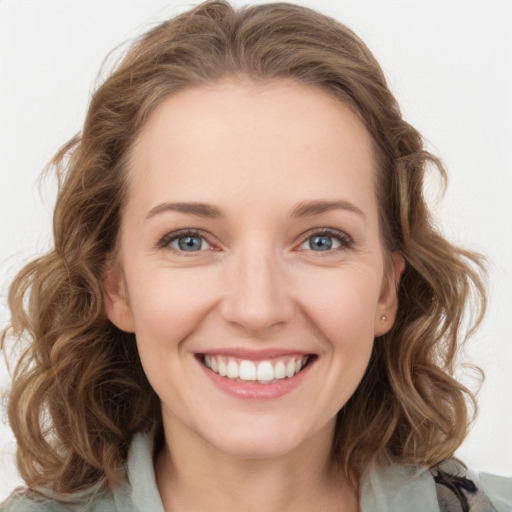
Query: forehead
{"points": [[242, 138]]}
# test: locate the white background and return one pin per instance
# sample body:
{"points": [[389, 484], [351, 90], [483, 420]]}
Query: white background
{"points": [[449, 62]]}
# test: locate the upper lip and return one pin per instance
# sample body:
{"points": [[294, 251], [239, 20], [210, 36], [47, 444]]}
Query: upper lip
{"points": [[254, 355]]}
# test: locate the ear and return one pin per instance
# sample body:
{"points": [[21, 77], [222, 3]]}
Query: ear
{"points": [[388, 300], [117, 304]]}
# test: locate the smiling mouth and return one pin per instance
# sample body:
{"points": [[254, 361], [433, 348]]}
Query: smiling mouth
{"points": [[261, 372]]}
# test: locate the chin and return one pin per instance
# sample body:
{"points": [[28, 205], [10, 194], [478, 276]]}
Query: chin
{"points": [[257, 447], [268, 439]]}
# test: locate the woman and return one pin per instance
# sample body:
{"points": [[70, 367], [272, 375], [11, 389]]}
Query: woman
{"points": [[247, 304]]}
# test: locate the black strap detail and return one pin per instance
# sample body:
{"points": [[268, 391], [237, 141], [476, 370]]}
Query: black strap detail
{"points": [[457, 485], [458, 490]]}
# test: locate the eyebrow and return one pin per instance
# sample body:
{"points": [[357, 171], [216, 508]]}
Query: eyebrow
{"points": [[312, 208], [303, 209], [197, 209]]}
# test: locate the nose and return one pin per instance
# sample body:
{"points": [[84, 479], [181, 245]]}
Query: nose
{"points": [[258, 299]]}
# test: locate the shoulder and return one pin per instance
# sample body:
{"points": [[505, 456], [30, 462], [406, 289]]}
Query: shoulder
{"points": [[447, 487], [460, 489], [499, 490], [22, 502], [32, 502], [138, 493]]}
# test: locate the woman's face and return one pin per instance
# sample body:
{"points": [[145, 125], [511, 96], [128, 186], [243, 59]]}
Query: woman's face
{"points": [[250, 265]]}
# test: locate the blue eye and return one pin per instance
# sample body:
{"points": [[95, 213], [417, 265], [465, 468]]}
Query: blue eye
{"points": [[189, 243], [322, 243], [326, 241]]}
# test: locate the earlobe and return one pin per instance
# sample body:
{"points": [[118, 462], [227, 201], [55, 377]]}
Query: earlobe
{"points": [[388, 301], [117, 305]]}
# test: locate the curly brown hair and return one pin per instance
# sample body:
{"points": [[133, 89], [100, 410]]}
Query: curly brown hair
{"points": [[79, 392]]}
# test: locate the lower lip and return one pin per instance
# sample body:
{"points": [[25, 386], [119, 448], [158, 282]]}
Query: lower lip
{"points": [[254, 390]]}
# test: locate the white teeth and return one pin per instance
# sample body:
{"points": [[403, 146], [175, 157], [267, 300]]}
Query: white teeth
{"points": [[263, 372], [280, 370], [232, 372], [247, 370], [290, 369], [223, 369]]}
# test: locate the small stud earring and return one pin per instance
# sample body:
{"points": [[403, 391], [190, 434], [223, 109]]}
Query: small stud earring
{"points": [[383, 318]]}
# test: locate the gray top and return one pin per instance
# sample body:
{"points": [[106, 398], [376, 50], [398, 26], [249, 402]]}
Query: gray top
{"points": [[383, 489]]}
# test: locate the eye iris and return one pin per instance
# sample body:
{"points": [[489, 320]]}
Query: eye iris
{"points": [[190, 243], [320, 243]]}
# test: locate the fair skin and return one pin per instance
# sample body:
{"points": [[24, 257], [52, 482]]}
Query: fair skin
{"points": [[251, 270]]}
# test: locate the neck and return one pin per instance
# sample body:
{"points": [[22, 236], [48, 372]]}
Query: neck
{"points": [[194, 476]]}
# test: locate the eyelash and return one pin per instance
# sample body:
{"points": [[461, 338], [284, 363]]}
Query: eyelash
{"points": [[165, 242], [345, 241]]}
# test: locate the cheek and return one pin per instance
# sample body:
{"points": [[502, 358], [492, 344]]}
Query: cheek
{"points": [[168, 305], [342, 303]]}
